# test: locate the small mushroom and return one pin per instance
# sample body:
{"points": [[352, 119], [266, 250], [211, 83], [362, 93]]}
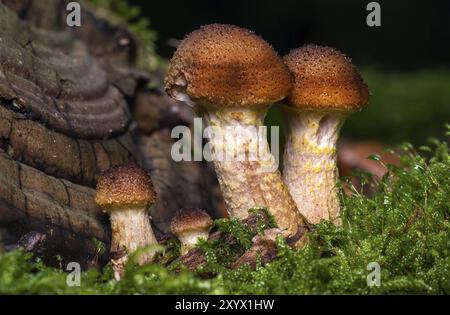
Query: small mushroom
{"points": [[231, 77], [189, 225], [327, 89], [126, 192]]}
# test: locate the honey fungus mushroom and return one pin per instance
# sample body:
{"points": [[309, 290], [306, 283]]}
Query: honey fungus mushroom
{"points": [[231, 77], [126, 192], [190, 225], [327, 89]]}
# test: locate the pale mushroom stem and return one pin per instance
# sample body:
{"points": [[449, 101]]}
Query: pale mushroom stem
{"points": [[309, 168], [188, 240], [131, 230], [250, 178]]}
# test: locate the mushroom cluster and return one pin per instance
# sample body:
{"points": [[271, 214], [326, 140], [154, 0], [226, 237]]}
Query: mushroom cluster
{"points": [[231, 77]]}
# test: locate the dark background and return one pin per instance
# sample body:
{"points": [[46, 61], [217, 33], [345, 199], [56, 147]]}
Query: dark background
{"points": [[413, 34], [405, 61]]}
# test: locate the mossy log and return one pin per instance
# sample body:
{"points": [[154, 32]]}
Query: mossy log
{"points": [[264, 246]]}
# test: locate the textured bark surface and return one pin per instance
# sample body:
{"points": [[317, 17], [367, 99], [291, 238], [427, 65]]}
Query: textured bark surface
{"points": [[51, 77], [65, 212], [57, 154], [66, 98]]}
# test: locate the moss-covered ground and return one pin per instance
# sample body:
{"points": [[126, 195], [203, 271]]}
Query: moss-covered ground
{"points": [[404, 227]]}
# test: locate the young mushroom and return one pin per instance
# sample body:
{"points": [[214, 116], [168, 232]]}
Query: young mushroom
{"points": [[231, 77], [190, 225], [327, 89], [126, 192]]}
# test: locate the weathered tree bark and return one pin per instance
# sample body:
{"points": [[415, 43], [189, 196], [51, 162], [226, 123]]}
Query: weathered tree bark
{"points": [[51, 77], [33, 201], [57, 154], [65, 98]]}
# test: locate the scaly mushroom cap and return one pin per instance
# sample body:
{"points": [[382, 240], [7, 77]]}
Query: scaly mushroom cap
{"points": [[190, 220], [228, 66], [325, 79], [124, 185]]}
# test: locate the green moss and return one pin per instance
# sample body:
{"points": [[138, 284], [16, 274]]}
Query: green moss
{"points": [[404, 227], [242, 234]]}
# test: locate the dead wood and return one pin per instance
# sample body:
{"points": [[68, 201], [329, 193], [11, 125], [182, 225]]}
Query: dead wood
{"points": [[65, 99]]}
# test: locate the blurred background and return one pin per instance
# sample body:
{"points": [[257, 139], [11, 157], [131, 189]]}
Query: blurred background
{"points": [[405, 61]]}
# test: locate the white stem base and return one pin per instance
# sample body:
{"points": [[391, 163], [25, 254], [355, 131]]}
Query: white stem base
{"points": [[131, 230], [188, 240]]}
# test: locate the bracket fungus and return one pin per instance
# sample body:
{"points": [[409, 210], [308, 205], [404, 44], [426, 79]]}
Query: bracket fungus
{"points": [[126, 192], [327, 88], [189, 225], [231, 77]]}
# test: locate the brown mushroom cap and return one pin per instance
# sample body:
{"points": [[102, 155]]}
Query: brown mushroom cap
{"points": [[325, 79], [190, 220], [228, 66], [124, 185]]}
